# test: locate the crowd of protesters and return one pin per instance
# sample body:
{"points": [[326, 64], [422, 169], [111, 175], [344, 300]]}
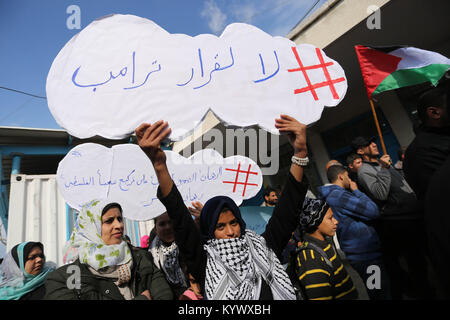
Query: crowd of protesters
{"points": [[390, 222]]}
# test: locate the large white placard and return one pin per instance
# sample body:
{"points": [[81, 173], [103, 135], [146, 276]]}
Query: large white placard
{"points": [[125, 175], [123, 70]]}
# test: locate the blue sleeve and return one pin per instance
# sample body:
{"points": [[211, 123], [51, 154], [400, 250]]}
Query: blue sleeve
{"points": [[355, 204]]}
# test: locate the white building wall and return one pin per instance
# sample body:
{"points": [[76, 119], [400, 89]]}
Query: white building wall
{"points": [[37, 212], [332, 20]]}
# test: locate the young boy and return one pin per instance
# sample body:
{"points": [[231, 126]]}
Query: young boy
{"points": [[318, 269]]}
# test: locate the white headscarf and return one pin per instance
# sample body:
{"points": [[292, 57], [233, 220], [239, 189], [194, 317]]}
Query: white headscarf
{"points": [[87, 244]]}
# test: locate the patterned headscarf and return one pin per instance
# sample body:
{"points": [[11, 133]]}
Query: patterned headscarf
{"points": [[312, 214], [87, 244]]}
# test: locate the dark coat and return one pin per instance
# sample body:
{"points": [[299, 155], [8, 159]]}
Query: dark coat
{"points": [[426, 153], [36, 294], [144, 275]]}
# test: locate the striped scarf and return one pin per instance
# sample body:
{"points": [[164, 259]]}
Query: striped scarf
{"points": [[236, 267]]}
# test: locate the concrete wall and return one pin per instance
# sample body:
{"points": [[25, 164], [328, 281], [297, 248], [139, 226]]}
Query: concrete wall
{"points": [[332, 20], [397, 117]]}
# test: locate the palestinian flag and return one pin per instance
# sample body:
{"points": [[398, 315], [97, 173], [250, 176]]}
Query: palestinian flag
{"points": [[388, 68]]}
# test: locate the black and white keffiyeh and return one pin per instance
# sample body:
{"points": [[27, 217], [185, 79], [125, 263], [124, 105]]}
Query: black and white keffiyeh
{"points": [[236, 267], [166, 259]]}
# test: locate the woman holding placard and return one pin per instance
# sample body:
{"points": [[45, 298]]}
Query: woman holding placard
{"points": [[230, 261]]}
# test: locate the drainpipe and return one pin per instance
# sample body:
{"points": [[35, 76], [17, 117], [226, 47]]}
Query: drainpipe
{"points": [[16, 165]]}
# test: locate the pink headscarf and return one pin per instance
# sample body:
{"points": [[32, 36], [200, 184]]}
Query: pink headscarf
{"points": [[144, 241]]}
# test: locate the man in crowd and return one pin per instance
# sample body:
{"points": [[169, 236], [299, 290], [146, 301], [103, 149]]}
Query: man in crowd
{"points": [[354, 162], [357, 237], [332, 163], [270, 197], [400, 227], [427, 159], [431, 146]]}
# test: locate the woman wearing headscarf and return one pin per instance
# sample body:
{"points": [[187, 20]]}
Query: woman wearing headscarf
{"points": [[23, 272], [102, 266], [318, 272], [230, 261], [165, 253]]}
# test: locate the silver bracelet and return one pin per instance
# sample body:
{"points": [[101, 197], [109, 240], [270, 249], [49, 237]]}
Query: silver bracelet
{"points": [[300, 161]]}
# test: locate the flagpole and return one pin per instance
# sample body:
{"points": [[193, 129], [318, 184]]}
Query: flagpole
{"points": [[377, 124]]}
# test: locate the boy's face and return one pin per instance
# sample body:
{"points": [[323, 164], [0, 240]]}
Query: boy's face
{"points": [[329, 224], [357, 163]]}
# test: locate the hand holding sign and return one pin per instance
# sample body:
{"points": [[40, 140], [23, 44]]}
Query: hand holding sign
{"points": [[149, 138], [295, 130]]}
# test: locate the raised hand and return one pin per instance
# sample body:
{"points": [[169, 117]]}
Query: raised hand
{"points": [[149, 138], [295, 130]]}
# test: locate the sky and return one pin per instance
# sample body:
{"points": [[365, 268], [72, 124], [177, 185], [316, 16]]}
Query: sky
{"points": [[33, 32]]}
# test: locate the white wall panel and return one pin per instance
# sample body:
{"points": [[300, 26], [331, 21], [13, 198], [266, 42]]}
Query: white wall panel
{"points": [[37, 212]]}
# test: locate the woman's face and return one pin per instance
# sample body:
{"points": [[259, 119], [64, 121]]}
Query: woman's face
{"points": [[227, 226], [35, 261], [164, 229], [112, 227]]}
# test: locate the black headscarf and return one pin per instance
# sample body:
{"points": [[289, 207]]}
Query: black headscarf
{"points": [[210, 214], [26, 251]]}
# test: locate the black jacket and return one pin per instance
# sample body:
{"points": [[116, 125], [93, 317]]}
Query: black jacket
{"points": [[144, 275], [284, 220], [426, 153], [36, 294]]}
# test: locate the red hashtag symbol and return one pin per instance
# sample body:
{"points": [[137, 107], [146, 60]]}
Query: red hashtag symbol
{"points": [[236, 182], [311, 87]]}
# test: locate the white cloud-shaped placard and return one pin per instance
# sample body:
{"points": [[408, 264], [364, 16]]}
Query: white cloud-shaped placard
{"points": [[125, 175], [123, 70]]}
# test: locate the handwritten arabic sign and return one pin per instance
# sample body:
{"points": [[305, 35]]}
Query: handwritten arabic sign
{"points": [[125, 175], [123, 70]]}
